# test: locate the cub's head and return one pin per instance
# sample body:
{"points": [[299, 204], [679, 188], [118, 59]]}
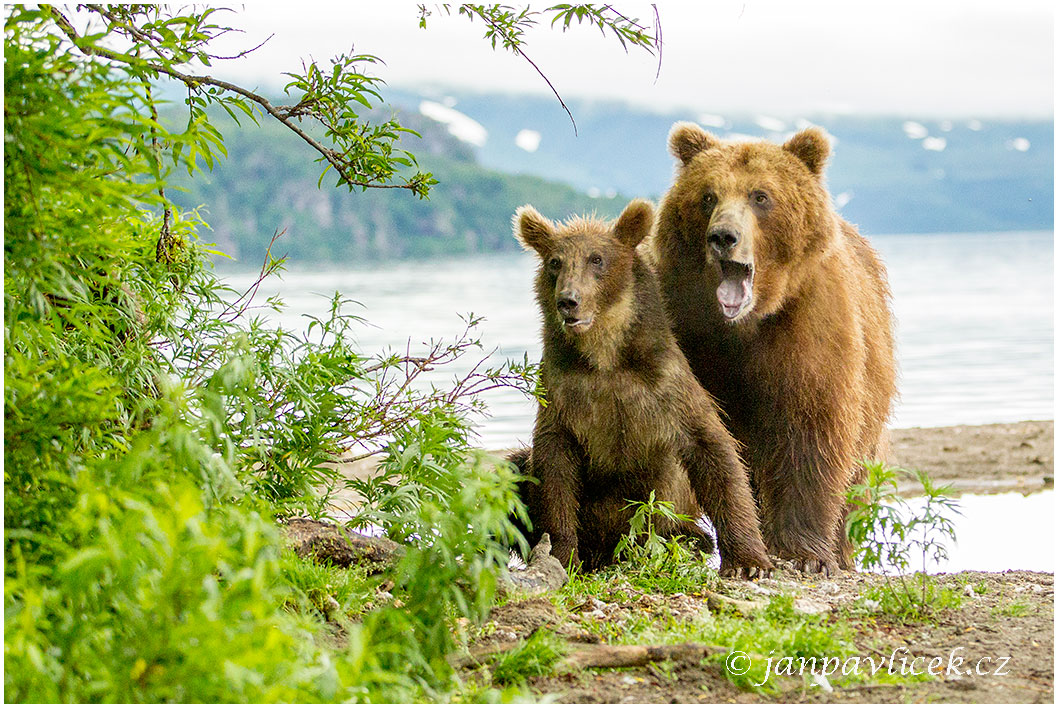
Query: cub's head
{"points": [[757, 212], [585, 277]]}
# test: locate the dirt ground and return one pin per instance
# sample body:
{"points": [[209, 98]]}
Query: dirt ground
{"points": [[1000, 457], [1012, 618], [1010, 615]]}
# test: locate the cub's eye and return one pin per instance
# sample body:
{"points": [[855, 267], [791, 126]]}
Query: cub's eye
{"points": [[760, 198], [553, 263], [709, 200], [595, 260]]}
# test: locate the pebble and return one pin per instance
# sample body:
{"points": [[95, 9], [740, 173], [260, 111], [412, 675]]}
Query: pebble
{"points": [[829, 587], [968, 590], [809, 606]]}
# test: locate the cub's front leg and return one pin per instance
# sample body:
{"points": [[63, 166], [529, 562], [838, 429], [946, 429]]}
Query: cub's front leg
{"points": [[721, 484], [553, 499]]}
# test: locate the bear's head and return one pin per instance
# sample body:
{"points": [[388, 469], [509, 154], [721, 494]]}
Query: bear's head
{"points": [[585, 275], [757, 213]]}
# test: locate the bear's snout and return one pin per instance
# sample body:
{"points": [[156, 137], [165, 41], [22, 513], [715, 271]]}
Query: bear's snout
{"points": [[723, 239], [567, 302]]}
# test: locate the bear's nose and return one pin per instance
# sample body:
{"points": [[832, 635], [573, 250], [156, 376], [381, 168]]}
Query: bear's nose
{"points": [[722, 238], [567, 302]]}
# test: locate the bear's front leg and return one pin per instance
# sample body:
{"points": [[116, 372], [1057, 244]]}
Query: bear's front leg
{"points": [[801, 491], [721, 485], [553, 500]]}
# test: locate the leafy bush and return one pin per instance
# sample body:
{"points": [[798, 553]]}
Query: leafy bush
{"points": [[154, 428]]}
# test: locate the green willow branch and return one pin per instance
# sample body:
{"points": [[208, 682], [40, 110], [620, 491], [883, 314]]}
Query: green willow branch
{"points": [[193, 82]]}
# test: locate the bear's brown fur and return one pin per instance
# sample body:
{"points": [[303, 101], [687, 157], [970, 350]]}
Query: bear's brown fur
{"points": [[625, 415], [782, 309]]}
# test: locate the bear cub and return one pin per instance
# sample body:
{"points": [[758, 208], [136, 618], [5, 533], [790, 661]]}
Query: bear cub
{"points": [[625, 415]]}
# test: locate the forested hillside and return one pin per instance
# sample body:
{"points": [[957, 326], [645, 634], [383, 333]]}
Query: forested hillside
{"points": [[269, 182], [887, 174]]}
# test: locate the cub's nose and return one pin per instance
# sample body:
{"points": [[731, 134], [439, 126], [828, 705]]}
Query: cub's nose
{"points": [[567, 302], [722, 239]]}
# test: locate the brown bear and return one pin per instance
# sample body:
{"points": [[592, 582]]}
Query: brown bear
{"points": [[782, 310], [624, 414]]}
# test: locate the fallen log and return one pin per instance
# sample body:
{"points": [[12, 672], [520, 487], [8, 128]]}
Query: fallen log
{"points": [[330, 544]]}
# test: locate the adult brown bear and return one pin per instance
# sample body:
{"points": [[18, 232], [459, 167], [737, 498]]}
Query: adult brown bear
{"points": [[782, 310], [625, 415]]}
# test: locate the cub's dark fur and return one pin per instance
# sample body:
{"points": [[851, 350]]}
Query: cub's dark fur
{"points": [[625, 415]]}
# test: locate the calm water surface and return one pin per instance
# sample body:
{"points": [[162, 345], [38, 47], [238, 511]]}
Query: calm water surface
{"points": [[975, 322], [975, 334]]}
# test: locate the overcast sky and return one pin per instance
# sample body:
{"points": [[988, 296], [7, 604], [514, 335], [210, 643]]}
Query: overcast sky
{"points": [[908, 57]]}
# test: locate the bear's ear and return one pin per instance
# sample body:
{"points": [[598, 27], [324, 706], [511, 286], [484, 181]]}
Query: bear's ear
{"points": [[634, 223], [533, 229], [687, 140], [811, 147]]}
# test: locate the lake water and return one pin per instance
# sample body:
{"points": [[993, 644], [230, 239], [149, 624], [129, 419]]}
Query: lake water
{"points": [[975, 322], [975, 340], [1004, 531]]}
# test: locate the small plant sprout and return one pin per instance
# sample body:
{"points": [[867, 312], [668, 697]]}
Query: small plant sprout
{"points": [[891, 536], [643, 545]]}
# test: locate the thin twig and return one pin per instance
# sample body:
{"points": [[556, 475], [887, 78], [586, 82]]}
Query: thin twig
{"points": [[518, 50], [657, 39]]}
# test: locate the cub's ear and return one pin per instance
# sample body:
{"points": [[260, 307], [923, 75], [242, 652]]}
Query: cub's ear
{"points": [[532, 229], [811, 147], [634, 223], [688, 139]]}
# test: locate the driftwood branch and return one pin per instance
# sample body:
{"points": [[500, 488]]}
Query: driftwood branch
{"points": [[584, 655]]}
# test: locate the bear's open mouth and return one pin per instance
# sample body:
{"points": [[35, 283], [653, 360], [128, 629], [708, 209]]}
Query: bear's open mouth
{"points": [[735, 292], [577, 325]]}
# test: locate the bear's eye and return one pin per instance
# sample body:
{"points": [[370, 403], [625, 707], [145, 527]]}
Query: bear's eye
{"points": [[760, 198], [595, 260], [554, 262], [709, 200]]}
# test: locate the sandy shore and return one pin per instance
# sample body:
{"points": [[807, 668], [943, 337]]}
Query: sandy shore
{"points": [[999, 457]]}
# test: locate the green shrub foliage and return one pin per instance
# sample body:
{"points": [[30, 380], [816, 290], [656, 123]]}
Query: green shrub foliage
{"points": [[155, 428]]}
